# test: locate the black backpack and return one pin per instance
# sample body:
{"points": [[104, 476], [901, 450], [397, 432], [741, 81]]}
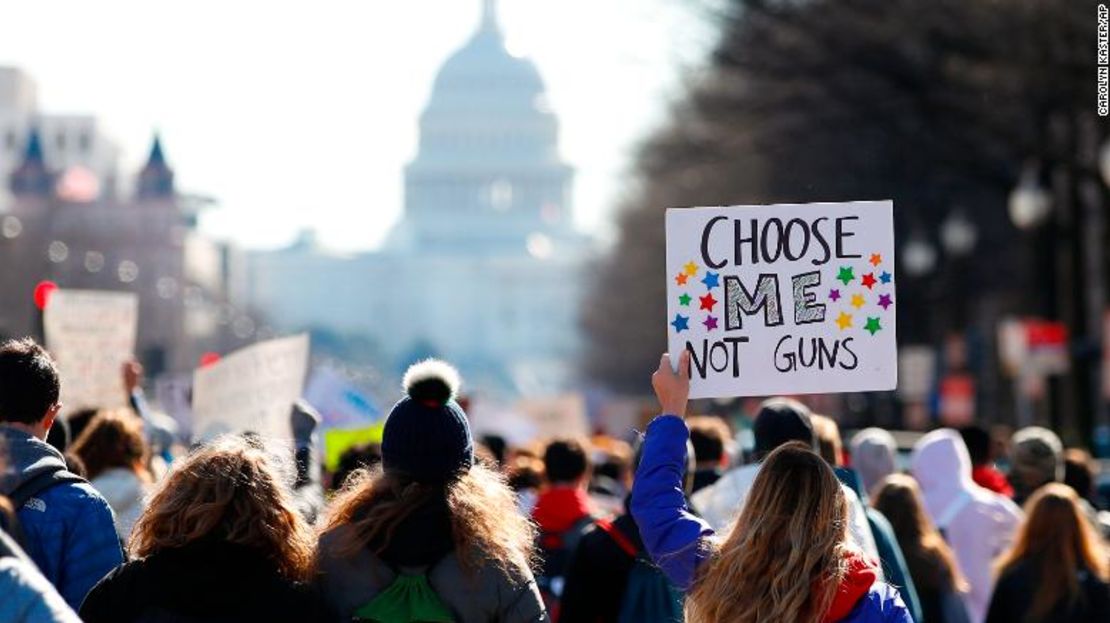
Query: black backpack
{"points": [[556, 548]]}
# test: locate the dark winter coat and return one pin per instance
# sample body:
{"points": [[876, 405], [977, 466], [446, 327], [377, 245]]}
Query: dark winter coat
{"points": [[1015, 589], [207, 580], [598, 575]]}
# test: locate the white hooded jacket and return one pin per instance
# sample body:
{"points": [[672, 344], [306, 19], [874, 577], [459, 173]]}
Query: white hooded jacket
{"points": [[978, 524]]}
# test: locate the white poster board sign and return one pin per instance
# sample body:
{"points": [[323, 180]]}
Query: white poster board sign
{"points": [[252, 389], [91, 334], [783, 299]]}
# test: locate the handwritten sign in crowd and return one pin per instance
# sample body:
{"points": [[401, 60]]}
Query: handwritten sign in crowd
{"points": [[783, 299], [252, 389], [91, 334]]}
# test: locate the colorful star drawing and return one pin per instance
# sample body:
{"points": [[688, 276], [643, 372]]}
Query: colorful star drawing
{"points": [[876, 259], [684, 300], [869, 281], [681, 278], [710, 323], [885, 277], [707, 302], [872, 325], [711, 280], [690, 268], [834, 294], [844, 320], [858, 301], [884, 301], [846, 275], [680, 323]]}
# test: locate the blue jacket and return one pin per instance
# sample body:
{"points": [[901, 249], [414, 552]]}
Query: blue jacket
{"points": [[69, 530], [678, 540]]}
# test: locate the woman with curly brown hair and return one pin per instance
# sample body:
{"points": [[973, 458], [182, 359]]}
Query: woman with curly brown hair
{"points": [[429, 535], [1058, 568], [219, 541], [788, 557], [115, 455]]}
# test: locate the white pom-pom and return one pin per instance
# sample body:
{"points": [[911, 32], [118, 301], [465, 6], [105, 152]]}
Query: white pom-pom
{"points": [[431, 380]]}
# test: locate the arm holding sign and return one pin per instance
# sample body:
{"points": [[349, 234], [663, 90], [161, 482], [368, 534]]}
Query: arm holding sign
{"points": [[677, 540]]}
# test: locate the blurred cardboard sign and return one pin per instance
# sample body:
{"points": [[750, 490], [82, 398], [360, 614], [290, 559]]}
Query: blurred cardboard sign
{"points": [[91, 334], [339, 440], [252, 389], [174, 394], [916, 372], [532, 419], [1033, 346], [339, 402], [783, 299]]}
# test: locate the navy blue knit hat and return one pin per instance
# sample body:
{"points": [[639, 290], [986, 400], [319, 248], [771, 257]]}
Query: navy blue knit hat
{"points": [[426, 435]]}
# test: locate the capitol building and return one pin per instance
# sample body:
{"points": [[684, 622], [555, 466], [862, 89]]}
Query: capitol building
{"points": [[484, 266]]}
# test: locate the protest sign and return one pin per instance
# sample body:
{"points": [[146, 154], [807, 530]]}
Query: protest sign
{"points": [[340, 403], [339, 440], [252, 389], [783, 299], [91, 334]]}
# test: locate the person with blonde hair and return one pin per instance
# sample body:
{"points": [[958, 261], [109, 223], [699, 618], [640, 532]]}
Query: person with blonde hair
{"points": [[932, 565], [220, 540], [430, 534], [115, 453], [1057, 570], [788, 557]]}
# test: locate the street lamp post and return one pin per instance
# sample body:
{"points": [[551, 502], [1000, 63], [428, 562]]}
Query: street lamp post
{"points": [[1069, 216]]}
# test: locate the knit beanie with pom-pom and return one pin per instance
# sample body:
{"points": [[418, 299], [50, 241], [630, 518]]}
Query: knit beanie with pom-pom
{"points": [[427, 436]]}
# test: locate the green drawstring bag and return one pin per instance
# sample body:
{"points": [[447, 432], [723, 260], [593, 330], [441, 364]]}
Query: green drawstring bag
{"points": [[409, 599]]}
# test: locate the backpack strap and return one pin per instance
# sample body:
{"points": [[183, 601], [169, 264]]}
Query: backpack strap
{"points": [[620, 539], [55, 475]]}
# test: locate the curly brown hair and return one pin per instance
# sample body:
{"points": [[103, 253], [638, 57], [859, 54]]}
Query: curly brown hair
{"points": [[230, 489], [487, 528], [113, 438]]}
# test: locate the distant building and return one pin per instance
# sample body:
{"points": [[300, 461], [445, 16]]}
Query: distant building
{"points": [[59, 226], [65, 140], [483, 266]]}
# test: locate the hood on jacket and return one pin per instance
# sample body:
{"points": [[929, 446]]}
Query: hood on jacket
{"points": [[873, 452], [942, 466], [26, 456], [859, 575], [559, 508]]}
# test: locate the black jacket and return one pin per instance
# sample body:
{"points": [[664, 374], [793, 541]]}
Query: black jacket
{"points": [[598, 574], [207, 580], [1014, 592]]}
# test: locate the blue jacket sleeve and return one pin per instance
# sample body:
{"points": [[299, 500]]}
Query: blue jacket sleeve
{"points": [[675, 538], [91, 547]]}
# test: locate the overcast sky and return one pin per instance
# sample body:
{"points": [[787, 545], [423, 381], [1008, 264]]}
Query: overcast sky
{"points": [[302, 114]]}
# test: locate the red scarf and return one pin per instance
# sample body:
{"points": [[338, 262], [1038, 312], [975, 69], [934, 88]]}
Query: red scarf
{"points": [[559, 508], [858, 578]]}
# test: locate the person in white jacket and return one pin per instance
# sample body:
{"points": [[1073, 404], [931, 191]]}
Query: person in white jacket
{"points": [[115, 454], [780, 420], [977, 524]]}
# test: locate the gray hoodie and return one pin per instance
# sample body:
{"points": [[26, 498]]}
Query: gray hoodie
{"points": [[484, 596]]}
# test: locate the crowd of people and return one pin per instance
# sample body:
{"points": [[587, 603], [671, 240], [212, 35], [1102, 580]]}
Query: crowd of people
{"points": [[104, 516]]}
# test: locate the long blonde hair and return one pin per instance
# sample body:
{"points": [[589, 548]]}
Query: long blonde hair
{"points": [[486, 525], [232, 490], [785, 557], [1056, 540]]}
